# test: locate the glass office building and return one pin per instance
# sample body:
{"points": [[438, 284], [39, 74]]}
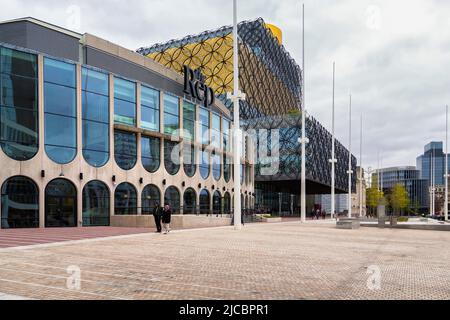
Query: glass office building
{"points": [[90, 131]]}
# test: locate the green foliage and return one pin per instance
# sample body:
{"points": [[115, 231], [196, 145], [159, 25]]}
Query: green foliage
{"points": [[399, 198], [403, 219]]}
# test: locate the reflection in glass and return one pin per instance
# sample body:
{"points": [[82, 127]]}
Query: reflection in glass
{"points": [[227, 203], [20, 203], [216, 166], [96, 201], [189, 164], [204, 126], [217, 203], [189, 121], [60, 204], [151, 158], [171, 114], [172, 197], [60, 111], [124, 102], [172, 157], [125, 149], [190, 201], [150, 197], [19, 137], [204, 164], [149, 109], [205, 207], [125, 199]]}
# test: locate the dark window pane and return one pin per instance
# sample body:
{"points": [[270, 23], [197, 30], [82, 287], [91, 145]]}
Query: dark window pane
{"points": [[205, 205], [151, 153], [61, 155], [95, 81], [19, 63], [59, 72], [96, 204], [190, 166], [60, 204], [60, 100], [172, 197], [95, 107], [171, 157], [20, 203], [216, 167], [19, 92], [125, 150], [204, 164], [95, 136], [96, 158], [125, 200], [189, 202], [60, 131], [150, 197]]}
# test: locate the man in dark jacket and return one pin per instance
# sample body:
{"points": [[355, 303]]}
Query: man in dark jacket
{"points": [[157, 214]]}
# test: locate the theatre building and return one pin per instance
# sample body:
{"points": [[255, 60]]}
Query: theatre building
{"points": [[91, 133]]}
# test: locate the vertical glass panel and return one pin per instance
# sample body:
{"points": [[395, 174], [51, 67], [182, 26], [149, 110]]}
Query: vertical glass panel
{"points": [[60, 204], [151, 157], [60, 111], [216, 162], [150, 108], [96, 201], [190, 166], [124, 102], [171, 114], [204, 126], [151, 196], [215, 132], [172, 198], [20, 204], [226, 135], [125, 199], [125, 149], [205, 203], [204, 164], [19, 129], [189, 121], [189, 202], [217, 203], [95, 81], [95, 143], [226, 203], [171, 157], [226, 168]]}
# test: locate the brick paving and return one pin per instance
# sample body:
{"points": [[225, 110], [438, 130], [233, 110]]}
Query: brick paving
{"points": [[263, 261]]}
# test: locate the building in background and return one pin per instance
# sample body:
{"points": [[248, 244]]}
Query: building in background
{"points": [[409, 177], [271, 80]]}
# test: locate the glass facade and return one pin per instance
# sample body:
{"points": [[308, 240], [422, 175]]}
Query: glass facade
{"points": [[150, 197], [20, 203], [226, 125], [95, 113], [125, 149], [19, 137], [189, 118], [204, 126], [217, 203], [171, 157], [190, 201], [227, 203], [60, 111], [172, 198], [216, 169], [204, 164], [205, 205], [125, 199], [151, 153], [227, 168], [96, 199], [189, 161], [150, 108], [124, 102], [171, 114], [215, 131]]}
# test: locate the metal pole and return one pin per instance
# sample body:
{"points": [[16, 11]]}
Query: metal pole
{"points": [[237, 131], [304, 139], [350, 160], [333, 153], [361, 170], [446, 164]]}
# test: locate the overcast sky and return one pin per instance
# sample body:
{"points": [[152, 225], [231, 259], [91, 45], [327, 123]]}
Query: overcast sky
{"points": [[393, 56]]}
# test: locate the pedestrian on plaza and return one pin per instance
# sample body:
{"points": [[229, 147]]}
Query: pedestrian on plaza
{"points": [[157, 214], [166, 218]]}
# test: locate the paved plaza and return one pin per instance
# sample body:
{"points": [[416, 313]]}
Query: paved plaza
{"points": [[263, 261]]}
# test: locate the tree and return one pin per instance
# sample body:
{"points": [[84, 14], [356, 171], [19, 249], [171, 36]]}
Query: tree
{"points": [[399, 198], [374, 196]]}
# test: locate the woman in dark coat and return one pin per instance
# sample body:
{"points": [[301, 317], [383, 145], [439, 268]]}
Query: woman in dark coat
{"points": [[166, 217]]}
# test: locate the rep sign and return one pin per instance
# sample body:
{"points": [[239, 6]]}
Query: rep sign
{"points": [[194, 85]]}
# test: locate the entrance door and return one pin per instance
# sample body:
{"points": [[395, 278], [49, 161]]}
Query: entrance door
{"points": [[60, 204]]}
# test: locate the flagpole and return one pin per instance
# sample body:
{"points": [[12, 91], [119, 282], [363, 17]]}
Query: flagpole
{"points": [[333, 153], [361, 170], [446, 176], [350, 172], [304, 139]]}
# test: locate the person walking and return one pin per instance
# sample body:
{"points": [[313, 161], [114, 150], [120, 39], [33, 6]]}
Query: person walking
{"points": [[157, 213], [166, 218]]}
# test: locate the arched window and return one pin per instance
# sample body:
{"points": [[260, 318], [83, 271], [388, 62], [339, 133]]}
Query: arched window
{"points": [[20, 203], [226, 203], [204, 164], [125, 199], [96, 200], [171, 157], [172, 197], [60, 204], [217, 203], [125, 149], [216, 166], [189, 162], [60, 108], [95, 104], [150, 197], [189, 201], [226, 168], [151, 153], [205, 203], [19, 129], [242, 173]]}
